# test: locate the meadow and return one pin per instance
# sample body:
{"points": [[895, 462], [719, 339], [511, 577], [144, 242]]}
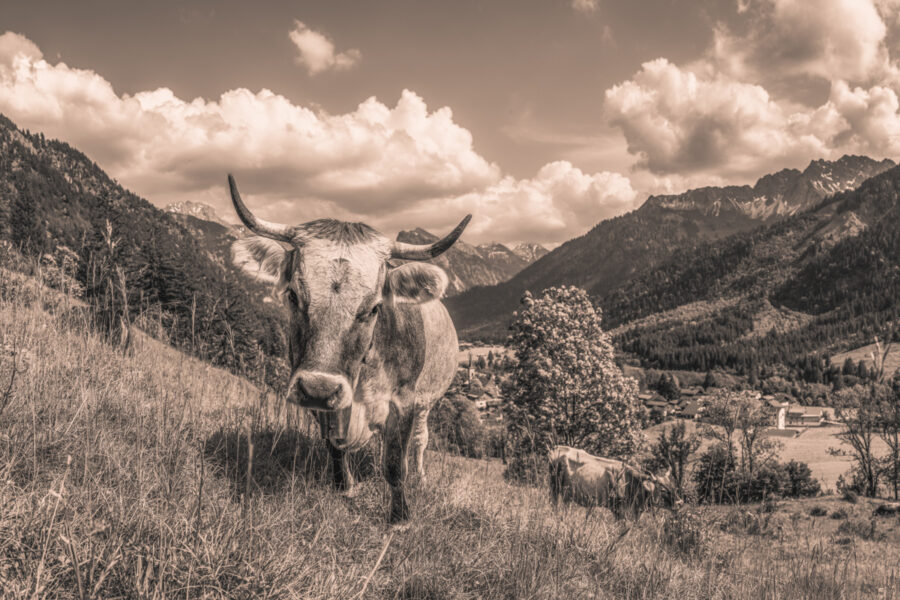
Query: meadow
{"points": [[148, 474]]}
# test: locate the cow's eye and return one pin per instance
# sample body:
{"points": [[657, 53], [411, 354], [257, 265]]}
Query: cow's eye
{"points": [[292, 297], [369, 314]]}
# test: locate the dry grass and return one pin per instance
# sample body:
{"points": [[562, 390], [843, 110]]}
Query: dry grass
{"points": [[130, 477]]}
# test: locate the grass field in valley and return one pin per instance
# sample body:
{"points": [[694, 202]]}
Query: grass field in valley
{"points": [[127, 476]]}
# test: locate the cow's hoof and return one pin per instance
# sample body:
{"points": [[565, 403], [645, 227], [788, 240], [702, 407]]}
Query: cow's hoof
{"points": [[400, 527]]}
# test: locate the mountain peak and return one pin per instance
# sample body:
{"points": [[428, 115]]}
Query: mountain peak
{"points": [[785, 192], [198, 210]]}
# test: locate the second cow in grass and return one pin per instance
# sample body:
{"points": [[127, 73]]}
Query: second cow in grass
{"points": [[588, 480]]}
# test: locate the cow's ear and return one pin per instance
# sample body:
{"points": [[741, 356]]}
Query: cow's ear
{"points": [[261, 257], [415, 282]]}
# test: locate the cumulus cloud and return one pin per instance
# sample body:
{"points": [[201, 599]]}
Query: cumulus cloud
{"points": [[717, 117], [559, 202], [317, 52], [826, 39], [395, 167], [585, 6], [678, 122]]}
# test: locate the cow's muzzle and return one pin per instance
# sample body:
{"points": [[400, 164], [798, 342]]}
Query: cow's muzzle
{"points": [[318, 390]]}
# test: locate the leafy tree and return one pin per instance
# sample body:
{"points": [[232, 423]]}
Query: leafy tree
{"points": [[709, 381], [26, 230], [729, 413], [715, 478], [858, 412], [456, 422], [801, 481], [668, 387], [673, 451], [565, 387]]}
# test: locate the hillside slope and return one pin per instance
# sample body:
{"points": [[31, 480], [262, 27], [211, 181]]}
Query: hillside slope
{"points": [[55, 200], [842, 290], [618, 249], [127, 477]]}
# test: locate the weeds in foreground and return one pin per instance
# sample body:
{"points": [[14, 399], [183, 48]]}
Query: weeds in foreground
{"points": [[153, 475]]}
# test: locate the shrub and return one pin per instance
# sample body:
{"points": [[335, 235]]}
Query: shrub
{"points": [[456, 426], [769, 480], [818, 511], [715, 476], [495, 442], [527, 469], [685, 533], [673, 451], [866, 529], [801, 483]]}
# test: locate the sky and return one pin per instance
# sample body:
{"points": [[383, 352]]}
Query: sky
{"points": [[540, 117]]}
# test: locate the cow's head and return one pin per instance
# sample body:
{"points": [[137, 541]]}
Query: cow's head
{"points": [[663, 490], [334, 279]]}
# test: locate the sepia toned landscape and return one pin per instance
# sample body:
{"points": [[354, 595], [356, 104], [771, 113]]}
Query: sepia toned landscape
{"points": [[416, 300]]}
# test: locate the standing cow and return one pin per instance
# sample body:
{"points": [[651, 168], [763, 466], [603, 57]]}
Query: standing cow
{"points": [[371, 347], [589, 480]]}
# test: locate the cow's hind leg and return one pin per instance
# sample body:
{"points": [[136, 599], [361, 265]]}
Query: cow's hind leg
{"points": [[396, 439]]}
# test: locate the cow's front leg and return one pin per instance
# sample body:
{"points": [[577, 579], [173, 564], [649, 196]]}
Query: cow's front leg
{"points": [[396, 438], [419, 442], [341, 476]]}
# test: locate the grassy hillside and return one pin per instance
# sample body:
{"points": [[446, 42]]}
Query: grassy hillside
{"points": [[130, 476]]}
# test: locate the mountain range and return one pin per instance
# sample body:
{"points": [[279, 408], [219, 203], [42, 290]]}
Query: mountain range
{"points": [[744, 278], [619, 249]]}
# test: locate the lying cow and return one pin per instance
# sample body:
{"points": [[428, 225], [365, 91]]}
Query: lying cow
{"points": [[588, 480], [371, 347]]}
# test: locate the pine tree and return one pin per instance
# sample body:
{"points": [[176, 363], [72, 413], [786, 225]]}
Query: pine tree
{"points": [[565, 387]]}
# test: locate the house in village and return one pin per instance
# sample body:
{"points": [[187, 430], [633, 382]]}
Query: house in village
{"points": [[777, 406], [691, 409], [657, 405], [805, 416]]}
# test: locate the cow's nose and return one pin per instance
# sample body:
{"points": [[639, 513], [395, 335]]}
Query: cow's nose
{"points": [[319, 385]]}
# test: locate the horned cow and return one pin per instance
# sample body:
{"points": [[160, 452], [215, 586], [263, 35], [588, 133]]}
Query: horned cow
{"points": [[370, 347]]}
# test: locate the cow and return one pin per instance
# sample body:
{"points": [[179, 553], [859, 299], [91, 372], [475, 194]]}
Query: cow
{"points": [[626, 490], [370, 345]]}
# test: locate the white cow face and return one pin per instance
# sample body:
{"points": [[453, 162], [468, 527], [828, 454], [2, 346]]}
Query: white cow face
{"points": [[335, 282]]}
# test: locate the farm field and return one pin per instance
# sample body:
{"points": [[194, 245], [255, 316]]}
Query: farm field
{"points": [[130, 476], [811, 447], [891, 364]]}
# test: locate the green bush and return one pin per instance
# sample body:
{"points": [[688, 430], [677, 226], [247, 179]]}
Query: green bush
{"points": [[527, 469], [456, 427], [715, 477], [801, 483]]}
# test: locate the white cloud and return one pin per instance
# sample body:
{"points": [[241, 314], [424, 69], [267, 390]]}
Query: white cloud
{"points": [[678, 122], [317, 52], [826, 39], [390, 166], [585, 6], [559, 202], [716, 117]]}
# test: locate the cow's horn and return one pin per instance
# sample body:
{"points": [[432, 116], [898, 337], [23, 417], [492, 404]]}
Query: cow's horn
{"points": [[427, 251], [275, 231]]}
